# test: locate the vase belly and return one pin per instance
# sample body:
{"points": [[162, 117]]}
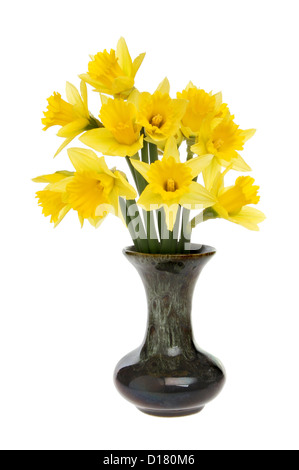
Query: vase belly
{"points": [[169, 386]]}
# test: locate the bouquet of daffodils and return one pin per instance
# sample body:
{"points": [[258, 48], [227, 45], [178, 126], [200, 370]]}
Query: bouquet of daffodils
{"points": [[148, 131]]}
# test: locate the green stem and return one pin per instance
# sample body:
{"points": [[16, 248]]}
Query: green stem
{"points": [[152, 237], [190, 142], [205, 215], [138, 178], [174, 234], [140, 182], [152, 243], [133, 171], [144, 152], [94, 123], [159, 221], [166, 243], [134, 222], [124, 206], [185, 231], [166, 236], [153, 151], [185, 237], [176, 231]]}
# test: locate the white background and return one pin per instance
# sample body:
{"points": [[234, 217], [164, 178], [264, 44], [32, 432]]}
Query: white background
{"points": [[71, 305]]}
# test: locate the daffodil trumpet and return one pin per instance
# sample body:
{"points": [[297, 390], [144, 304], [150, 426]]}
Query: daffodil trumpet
{"points": [[149, 132]]}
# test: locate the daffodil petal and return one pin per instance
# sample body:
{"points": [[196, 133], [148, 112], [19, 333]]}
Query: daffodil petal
{"points": [[141, 167], [72, 94], [107, 208], [114, 199], [103, 141], [248, 134], [136, 63], [199, 148], [213, 124], [170, 215], [83, 90], [125, 189], [98, 139], [149, 200], [239, 164], [73, 128], [218, 183], [74, 98], [210, 172], [63, 145], [53, 178], [121, 83], [164, 86], [180, 108], [198, 164], [222, 213], [104, 98], [134, 97], [86, 78], [87, 160], [60, 186], [197, 197], [218, 99], [124, 58], [171, 149], [187, 132], [81, 220], [96, 221], [62, 214], [248, 217], [190, 85]]}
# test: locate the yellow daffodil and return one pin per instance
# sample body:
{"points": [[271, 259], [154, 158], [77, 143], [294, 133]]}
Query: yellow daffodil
{"points": [[232, 202], [53, 197], [222, 138], [170, 184], [73, 116], [159, 114], [121, 133], [94, 190], [201, 105], [113, 73]]}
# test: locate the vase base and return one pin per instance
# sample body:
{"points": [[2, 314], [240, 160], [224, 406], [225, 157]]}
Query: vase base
{"points": [[171, 413]]}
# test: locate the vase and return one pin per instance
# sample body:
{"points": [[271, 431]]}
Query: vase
{"points": [[168, 375]]}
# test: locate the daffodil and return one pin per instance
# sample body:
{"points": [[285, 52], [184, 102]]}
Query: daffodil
{"points": [[53, 197], [72, 115], [170, 184], [201, 105], [232, 202], [120, 135], [160, 115], [94, 190], [222, 138], [113, 73]]}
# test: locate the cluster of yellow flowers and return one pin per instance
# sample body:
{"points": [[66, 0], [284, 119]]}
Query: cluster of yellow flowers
{"points": [[148, 130]]}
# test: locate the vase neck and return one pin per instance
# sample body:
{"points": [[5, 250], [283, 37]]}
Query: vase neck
{"points": [[169, 283], [169, 329]]}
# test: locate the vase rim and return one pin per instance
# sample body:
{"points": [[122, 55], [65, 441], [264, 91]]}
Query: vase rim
{"points": [[197, 251]]}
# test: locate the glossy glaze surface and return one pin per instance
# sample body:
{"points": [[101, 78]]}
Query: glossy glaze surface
{"points": [[168, 375]]}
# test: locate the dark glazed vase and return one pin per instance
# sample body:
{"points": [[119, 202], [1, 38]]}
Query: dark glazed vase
{"points": [[168, 375]]}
